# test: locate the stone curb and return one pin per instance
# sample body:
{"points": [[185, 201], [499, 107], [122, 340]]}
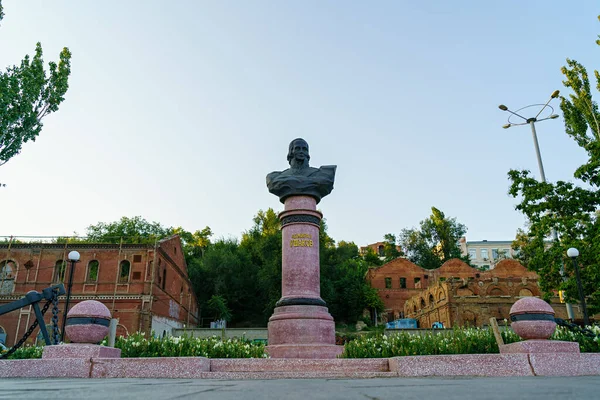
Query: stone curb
{"points": [[480, 365]]}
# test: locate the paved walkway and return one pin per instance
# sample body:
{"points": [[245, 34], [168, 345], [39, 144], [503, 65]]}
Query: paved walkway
{"points": [[530, 388]]}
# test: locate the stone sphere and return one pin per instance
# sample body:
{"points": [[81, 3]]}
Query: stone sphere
{"points": [[87, 322], [532, 318]]}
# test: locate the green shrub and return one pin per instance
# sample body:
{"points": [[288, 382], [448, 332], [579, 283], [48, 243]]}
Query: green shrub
{"points": [[26, 352], [137, 345], [457, 341]]}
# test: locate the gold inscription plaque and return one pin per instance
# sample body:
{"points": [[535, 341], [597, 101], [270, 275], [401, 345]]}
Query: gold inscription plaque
{"points": [[301, 240]]}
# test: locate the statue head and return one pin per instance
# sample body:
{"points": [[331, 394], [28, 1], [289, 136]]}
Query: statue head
{"points": [[298, 153]]}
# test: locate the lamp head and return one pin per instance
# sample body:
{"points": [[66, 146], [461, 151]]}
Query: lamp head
{"points": [[506, 126], [74, 256], [555, 94], [554, 116], [503, 107], [572, 252]]}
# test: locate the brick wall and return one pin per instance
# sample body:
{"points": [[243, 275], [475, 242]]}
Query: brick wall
{"points": [[125, 282]]}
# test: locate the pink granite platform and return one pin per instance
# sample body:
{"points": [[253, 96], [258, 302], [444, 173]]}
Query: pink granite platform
{"points": [[285, 365], [540, 346], [44, 368], [535, 364], [80, 350], [462, 365], [165, 367]]}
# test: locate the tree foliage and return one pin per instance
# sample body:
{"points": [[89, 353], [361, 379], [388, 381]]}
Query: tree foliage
{"points": [[127, 230], [435, 241], [27, 94], [571, 209], [248, 274]]}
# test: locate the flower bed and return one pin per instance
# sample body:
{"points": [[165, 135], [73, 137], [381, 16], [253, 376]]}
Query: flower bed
{"points": [[376, 345], [457, 341], [137, 345]]}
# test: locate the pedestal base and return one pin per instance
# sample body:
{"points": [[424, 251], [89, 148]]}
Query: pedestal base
{"points": [[540, 346], [302, 331]]}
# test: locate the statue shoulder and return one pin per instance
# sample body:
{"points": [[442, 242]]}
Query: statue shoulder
{"points": [[328, 169], [273, 175]]}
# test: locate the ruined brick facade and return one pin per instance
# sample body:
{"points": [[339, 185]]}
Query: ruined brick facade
{"points": [[455, 293], [146, 287]]}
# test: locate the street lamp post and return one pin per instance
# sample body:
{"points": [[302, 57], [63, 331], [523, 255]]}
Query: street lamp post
{"points": [[531, 122], [573, 253], [73, 258]]}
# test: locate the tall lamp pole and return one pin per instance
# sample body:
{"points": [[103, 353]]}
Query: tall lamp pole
{"points": [[73, 258], [573, 253], [531, 122]]}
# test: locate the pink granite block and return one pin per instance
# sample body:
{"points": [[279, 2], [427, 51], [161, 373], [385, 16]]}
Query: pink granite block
{"points": [[462, 365], [565, 364], [310, 350], [300, 203], [80, 350], [345, 365], [301, 325], [540, 346], [166, 367], [48, 368], [296, 375]]}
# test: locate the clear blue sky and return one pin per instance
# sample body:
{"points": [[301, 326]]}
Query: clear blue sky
{"points": [[177, 110]]}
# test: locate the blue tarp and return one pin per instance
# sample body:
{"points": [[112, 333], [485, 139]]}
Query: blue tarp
{"points": [[405, 323]]}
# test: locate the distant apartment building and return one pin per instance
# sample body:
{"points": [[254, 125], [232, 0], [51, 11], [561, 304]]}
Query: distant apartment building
{"points": [[485, 254]]}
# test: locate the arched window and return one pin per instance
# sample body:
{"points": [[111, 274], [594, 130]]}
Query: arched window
{"points": [[92, 271], [496, 292], [2, 336], [431, 301], [124, 268], [423, 303], [380, 250], [164, 279], [525, 292], [7, 276], [60, 267]]}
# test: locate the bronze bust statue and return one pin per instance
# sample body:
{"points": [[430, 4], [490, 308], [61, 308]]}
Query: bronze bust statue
{"points": [[301, 179]]}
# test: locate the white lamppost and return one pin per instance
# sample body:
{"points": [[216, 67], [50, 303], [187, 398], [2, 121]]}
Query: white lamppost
{"points": [[73, 258]]}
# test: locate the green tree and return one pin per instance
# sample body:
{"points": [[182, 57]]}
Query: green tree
{"points": [[390, 247], [27, 95], [127, 230], [571, 209], [194, 244], [435, 242], [218, 306], [371, 258]]}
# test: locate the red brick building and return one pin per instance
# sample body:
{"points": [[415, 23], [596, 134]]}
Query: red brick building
{"points": [[146, 287], [473, 296]]}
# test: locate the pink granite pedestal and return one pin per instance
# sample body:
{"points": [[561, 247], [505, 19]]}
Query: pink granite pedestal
{"points": [[301, 326]]}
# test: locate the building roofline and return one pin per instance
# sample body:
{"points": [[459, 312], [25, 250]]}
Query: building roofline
{"points": [[75, 246], [489, 242]]}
